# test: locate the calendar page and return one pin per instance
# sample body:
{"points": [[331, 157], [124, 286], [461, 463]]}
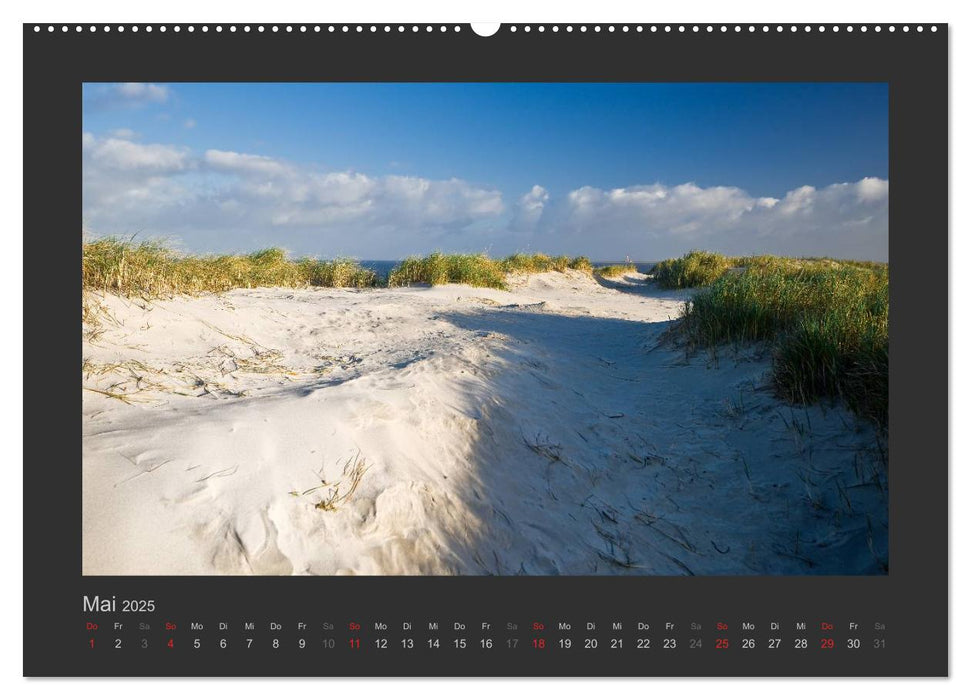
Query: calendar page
{"points": [[533, 349]]}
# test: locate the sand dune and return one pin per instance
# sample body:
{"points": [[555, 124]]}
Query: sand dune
{"points": [[457, 430]]}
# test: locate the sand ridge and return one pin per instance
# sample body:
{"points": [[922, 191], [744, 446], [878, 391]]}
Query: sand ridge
{"points": [[545, 429]]}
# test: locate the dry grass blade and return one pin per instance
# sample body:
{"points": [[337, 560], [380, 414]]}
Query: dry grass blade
{"points": [[339, 492]]}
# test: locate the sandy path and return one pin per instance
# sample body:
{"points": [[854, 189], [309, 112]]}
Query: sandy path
{"points": [[541, 430]]}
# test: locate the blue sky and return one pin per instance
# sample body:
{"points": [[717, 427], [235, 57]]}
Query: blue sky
{"points": [[383, 170]]}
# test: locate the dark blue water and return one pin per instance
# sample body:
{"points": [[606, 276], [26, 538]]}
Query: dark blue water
{"points": [[383, 267]]}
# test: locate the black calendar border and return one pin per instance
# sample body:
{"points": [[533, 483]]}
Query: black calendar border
{"points": [[913, 596]]}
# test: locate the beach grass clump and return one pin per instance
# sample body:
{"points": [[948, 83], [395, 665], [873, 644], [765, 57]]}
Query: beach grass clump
{"points": [[533, 262], [112, 265], [340, 272], [827, 322], [581, 264], [478, 269], [540, 262], [149, 269], [615, 270], [698, 268], [763, 261]]}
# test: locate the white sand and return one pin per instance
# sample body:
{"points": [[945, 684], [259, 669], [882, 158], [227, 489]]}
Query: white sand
{"points": [[542, 430]]}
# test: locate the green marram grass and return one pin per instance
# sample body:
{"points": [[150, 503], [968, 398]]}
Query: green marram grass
{"points": [[615, 270], [340, 272], [827, 322], [478, 269], [540, 262], [696, 269], [534, 262], [700, 268], [150, 270]]}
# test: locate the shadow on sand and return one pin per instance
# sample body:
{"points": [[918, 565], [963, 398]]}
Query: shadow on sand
{"points": [[599, 452]]}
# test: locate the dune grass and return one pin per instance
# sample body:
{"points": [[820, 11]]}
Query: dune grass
{"points": [[827, 322], [150, 270], [341, 272], [581, 264], [534, 262], [700, 268], [478, 269], [696, 269], [615, 270]]}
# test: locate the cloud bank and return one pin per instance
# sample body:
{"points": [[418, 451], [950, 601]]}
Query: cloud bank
{"points": [[122, 95], [225, 200], [656, 221]]}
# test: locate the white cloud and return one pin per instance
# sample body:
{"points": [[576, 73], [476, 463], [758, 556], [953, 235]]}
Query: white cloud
{"points": [[225, 200], [438, 202], [142, 92], [243, 163], [872, 189], [241, 197], [189, 123], [120, 154], [119, 95], [656, 221], [530, 209], [126, 134], [123, 178]]}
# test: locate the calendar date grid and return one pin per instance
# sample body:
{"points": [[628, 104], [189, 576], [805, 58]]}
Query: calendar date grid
{"points": [[438, 636]]}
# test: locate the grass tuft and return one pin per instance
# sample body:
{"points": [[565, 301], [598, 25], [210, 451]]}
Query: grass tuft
{"points": [[828, 323], [333, 495], [700, 268], [478, 269], [151, 270], [615, 270], [696, 269], [581, 264], [342, 272]]}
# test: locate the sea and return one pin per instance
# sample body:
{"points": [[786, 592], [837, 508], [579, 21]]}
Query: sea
{"points": [[383, 267]]}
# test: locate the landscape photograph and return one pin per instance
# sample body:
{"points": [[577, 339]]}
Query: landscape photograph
{"points": [[540, 329]]}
